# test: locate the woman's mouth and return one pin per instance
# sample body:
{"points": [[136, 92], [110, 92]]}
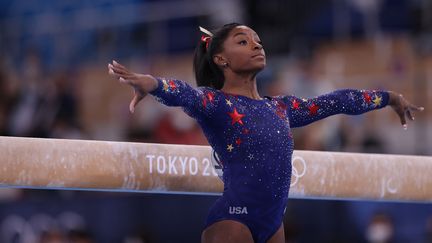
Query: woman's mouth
{"points": [[259, 55]]}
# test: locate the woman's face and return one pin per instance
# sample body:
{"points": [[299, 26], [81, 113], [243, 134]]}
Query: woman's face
{"points": [[243, 50]]}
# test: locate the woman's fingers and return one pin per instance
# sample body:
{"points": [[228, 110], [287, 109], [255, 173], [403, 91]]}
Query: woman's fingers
{"points": [[122, 78], [126, 78], [410, 109], [118, 65], [119, 70], [416, 108], [404, 108], [137, 98], [400, 109], [133, 103], [125, 81], [409, 115], [135, 80], [112, 71], [130, 77], [402, 119]]}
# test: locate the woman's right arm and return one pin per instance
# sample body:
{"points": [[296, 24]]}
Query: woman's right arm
{"points": [[196, 102]]}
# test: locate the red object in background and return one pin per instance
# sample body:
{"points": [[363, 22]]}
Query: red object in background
{"points": [[165, 132]]}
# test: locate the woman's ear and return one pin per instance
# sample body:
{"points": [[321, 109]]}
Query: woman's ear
{"points": [[220, 61]]}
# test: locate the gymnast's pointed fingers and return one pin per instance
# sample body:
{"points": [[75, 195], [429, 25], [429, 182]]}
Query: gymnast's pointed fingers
{"points": [[410, 109], [123, 78], [113, 72], [118, 65], [125, 81], [409, 115], [402, 119], [110, 70], [118, 70], [135, 100], [416, 108]]}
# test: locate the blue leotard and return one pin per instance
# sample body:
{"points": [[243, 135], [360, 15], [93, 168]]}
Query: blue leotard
{"points": [[254, 143]]}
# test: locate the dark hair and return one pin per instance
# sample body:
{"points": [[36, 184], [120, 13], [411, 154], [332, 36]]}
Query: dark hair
{"points": [[207, 73]]}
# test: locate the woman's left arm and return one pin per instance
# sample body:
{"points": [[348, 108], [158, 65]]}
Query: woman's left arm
{"points": [[302, 112]]}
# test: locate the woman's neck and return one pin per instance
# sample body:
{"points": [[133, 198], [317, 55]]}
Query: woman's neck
{"points": [[242, 85]]}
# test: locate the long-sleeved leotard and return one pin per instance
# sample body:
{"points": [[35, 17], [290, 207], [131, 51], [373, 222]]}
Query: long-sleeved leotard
{"points": [[253, 140]]}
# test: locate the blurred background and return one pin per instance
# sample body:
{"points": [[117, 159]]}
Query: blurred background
{"points": [[54, 84]]}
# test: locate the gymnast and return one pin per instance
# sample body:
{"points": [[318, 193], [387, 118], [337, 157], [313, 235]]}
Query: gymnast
{"points": [[251, 134]]}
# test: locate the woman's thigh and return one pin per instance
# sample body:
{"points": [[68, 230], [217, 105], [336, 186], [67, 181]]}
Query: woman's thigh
{"points": [[279, 236], [227, 231]]}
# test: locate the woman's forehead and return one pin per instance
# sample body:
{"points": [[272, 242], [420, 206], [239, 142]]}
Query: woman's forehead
{"points": [[243, 29]]}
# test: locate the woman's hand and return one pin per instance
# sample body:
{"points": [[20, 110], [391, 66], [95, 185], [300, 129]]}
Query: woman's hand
{"points": [[402, 107], [141, 83]]}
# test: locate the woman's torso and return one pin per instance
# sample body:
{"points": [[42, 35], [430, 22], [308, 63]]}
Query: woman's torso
{"points": [[254, 143]]}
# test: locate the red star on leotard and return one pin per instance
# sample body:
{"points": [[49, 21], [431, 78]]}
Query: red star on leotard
{"points": [[313, 109], [210, 96], [295, 104], [280, 113], [281, 109], [238, 141], [172, 84], [204, 102], [236, 117], [367, 97], [281, 105]]}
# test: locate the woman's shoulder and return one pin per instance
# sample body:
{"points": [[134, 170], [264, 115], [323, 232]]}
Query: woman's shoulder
{"points": [[206, 88]]}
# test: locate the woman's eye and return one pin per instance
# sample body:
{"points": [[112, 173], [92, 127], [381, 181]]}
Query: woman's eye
{"points": [[243, 42]]}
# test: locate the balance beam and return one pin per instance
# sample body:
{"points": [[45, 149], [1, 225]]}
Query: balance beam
{"points": [[166, 168]]}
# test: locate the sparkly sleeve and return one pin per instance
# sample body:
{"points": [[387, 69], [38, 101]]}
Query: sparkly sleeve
{"points": [[302, 112], [172, 92]]}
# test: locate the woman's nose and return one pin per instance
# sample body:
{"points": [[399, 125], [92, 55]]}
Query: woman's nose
{"points": [[257, 46]]}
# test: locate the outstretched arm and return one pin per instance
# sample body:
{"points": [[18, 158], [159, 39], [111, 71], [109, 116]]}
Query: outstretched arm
{"points": [[169, 92], [345, 101], [142, 84]]}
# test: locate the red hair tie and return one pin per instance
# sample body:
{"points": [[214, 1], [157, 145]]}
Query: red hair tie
{"points": [[206, 39]]}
